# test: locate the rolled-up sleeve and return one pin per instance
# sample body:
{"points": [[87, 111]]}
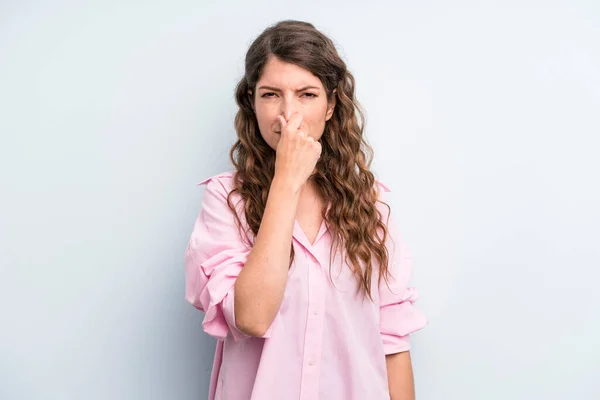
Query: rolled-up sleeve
{"points": [[214, 258], [398, 315]]}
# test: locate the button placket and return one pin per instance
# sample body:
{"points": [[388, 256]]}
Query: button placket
{"points": [[314, 330]]}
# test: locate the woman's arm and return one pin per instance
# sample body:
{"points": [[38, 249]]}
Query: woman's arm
{"points": [[400, 376], [260, 286]]}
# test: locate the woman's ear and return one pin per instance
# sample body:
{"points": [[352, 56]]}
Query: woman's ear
{"points": [[331, 105], [251, 97]]}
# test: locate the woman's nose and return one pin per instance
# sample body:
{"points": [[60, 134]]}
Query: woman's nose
{"points": [[288, 108]]}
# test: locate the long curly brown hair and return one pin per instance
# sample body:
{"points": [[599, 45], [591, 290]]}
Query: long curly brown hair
{"points": [[343, 176]]}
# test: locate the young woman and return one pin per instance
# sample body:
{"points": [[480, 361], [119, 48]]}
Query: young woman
{"points": [[301, 275]]}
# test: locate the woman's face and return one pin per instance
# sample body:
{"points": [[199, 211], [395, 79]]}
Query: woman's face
{"points": [[284, 89]]}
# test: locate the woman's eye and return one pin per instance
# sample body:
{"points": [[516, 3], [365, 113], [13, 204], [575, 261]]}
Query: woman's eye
{"points": [[272, 94]]}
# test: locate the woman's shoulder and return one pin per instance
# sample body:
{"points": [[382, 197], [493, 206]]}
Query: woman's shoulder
{"points": [[222, 181], [382, 202], [382, 186], [382, 190]]}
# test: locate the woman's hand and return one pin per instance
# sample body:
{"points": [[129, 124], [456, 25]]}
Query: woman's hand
{"points": [[297, 153]]}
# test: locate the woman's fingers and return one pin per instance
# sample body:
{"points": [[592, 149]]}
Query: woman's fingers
{"points": [[295, 121], [282, 123], [297, 152]]}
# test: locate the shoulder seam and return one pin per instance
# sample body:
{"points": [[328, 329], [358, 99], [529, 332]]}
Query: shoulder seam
{"points": [[222, 174]]}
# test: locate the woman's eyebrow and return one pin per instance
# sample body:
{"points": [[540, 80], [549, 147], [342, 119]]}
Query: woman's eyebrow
{"points": [[274, 89]]}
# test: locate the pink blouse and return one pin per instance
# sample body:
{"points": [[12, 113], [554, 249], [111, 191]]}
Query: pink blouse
{"points": [[325, 342]]}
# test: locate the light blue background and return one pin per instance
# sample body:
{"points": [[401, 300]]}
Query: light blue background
{"points": [[484, 119]]}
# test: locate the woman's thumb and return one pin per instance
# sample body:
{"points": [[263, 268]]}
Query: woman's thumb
{"points": [[282, 122]]}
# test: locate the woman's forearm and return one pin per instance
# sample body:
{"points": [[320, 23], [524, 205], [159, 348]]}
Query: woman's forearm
{"points": [[400, 376], [260, 286]]}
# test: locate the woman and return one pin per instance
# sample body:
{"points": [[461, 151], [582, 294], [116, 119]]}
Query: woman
{"points": [[300, 273]]}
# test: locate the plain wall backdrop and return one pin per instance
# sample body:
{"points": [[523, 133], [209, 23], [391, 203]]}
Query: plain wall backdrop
{"points": [[484, 120]]}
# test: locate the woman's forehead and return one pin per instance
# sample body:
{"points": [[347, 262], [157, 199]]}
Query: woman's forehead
{"points": [[284, 75]]}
